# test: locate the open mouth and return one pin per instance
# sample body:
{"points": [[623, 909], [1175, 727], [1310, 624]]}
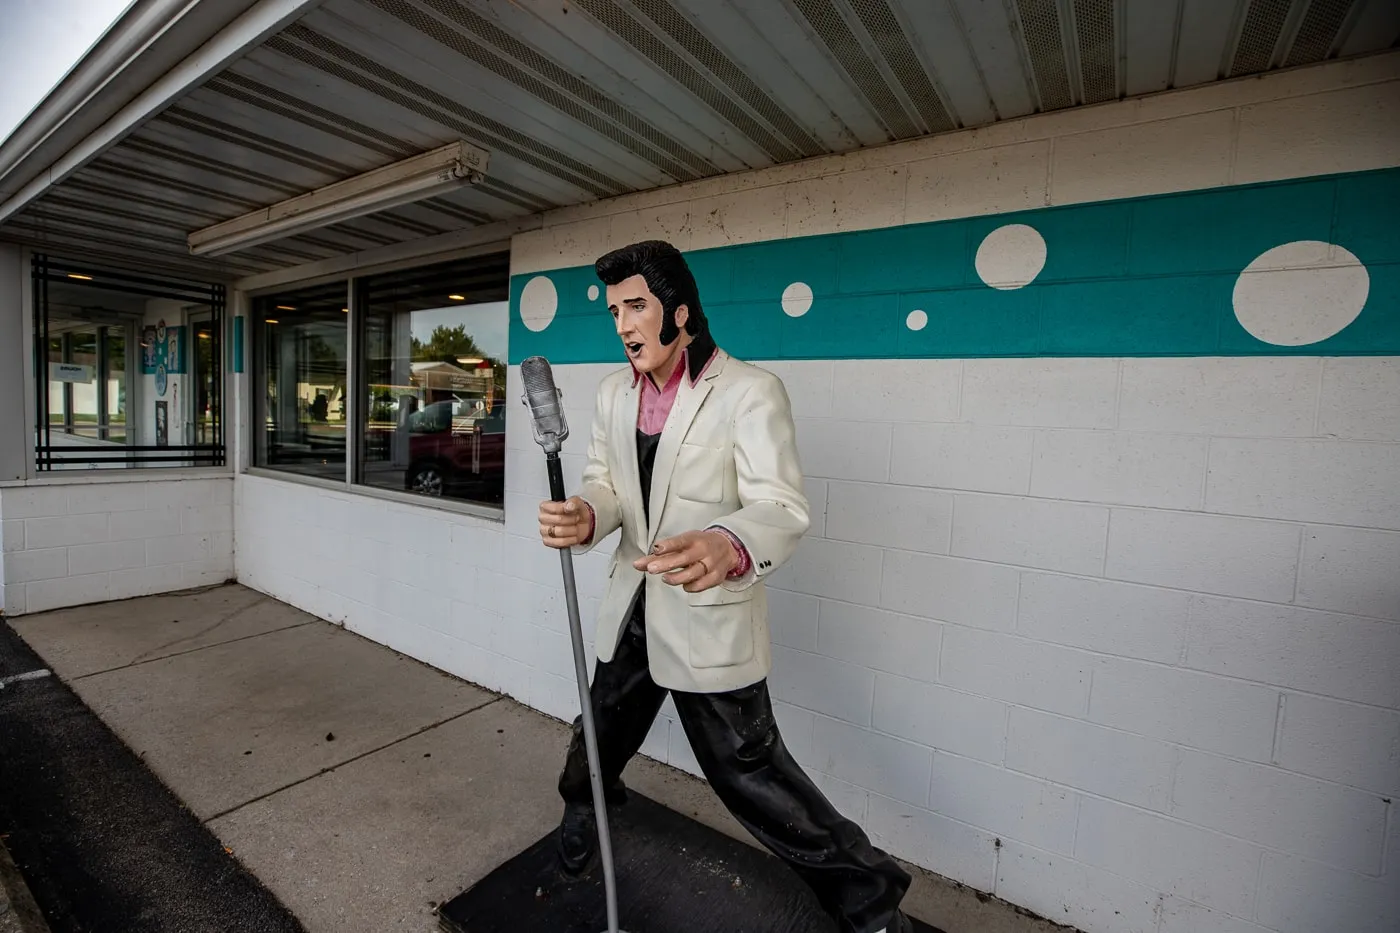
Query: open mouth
{"points": [[633, 348]]}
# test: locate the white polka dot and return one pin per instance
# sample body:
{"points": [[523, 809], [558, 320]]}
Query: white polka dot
{"points": [[1300, 293], [538, 302], [917, 320], [1011, 256], [797, 299], [592, 293]]}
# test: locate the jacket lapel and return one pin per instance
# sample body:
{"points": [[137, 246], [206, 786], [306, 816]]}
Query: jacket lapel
{"points": [[624, 430], [683, 412]]}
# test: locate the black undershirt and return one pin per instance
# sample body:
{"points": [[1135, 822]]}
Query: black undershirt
{"points": [[646, 462]]}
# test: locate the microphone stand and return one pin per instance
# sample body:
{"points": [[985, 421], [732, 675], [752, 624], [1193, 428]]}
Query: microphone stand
{"points": [[590, 738]]}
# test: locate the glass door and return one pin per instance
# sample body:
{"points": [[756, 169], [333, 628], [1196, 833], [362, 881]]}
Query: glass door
{"points": [[88, 373], [201, 421]]}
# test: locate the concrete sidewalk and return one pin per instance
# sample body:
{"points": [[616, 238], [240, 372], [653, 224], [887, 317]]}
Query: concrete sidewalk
{"points": [[361, 787]]}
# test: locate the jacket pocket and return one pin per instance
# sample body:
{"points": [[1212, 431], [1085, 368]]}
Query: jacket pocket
{"points": [[699, 474], [721, 635], [717, 595]]}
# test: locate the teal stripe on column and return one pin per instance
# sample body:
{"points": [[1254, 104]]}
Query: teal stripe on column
{"points": [[237, 342], [1152, 276]]}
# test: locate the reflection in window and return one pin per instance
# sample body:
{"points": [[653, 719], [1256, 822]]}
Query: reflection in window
{"points": [[204, 393], [58, 394], [434, 355], [118, 391], [301, 376], [84, 389], [114, 379]]}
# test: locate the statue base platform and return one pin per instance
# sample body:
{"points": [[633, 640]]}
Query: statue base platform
{"points": [[674, 875]]}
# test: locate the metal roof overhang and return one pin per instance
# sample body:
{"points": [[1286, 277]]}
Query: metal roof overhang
{"points": [[186, 114]]}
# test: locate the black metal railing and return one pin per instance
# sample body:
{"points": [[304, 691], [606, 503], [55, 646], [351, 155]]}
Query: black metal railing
{"points": [[52, 455]]}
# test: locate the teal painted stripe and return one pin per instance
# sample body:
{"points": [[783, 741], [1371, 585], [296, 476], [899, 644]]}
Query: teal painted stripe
{"points": [[1150, 276], [237, 342]]}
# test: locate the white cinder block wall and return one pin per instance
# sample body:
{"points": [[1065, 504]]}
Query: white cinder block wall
{"points": [[1116, 639], [449, 589], [67, 543]]}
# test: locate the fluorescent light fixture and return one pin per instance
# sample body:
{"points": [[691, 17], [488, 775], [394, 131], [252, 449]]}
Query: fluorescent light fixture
{"points": [[469, 360], [428, 175], [81, 278], [456, 297], [285, 308], [271, 321]]}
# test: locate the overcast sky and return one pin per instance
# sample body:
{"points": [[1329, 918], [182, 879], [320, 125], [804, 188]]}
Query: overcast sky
{"points": [[40, 40], [487, 323]]}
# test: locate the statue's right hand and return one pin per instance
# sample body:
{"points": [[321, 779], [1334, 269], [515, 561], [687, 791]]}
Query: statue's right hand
{"points": [[565, 524]]}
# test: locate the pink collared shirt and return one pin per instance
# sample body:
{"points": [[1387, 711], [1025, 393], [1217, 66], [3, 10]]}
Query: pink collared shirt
{"points": [[656, 404], [654, 408]]}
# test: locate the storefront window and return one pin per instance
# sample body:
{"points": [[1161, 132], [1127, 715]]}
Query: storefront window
{"points": [[122, 385], [301, 352], [433, 396]]}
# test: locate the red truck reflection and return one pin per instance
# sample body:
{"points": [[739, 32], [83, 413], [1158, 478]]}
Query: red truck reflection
{"points": [[462, 456]]}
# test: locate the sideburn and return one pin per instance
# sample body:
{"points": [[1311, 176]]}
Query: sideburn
{"points": [[669, 330]]}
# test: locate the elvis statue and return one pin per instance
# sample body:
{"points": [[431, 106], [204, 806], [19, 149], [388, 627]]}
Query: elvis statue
{"points": [[693, 455]]}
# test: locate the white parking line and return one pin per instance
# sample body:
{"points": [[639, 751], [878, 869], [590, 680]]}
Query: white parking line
{"points": [[28, 675]]}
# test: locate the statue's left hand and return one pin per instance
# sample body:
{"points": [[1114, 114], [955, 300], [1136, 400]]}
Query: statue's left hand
{"points": [[694, 560]]}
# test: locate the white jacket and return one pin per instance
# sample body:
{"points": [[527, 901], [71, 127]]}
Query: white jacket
{"points": [[727, 457]]}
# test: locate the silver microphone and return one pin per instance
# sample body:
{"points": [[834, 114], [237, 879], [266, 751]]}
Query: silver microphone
{"points": [[547, 414], [546, 404]]}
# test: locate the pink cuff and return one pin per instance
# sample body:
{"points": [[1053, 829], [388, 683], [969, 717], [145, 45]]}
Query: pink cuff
{"points": [[745, 562], [592, 522]]}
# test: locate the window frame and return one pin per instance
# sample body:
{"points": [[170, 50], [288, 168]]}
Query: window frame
{"points": [[355, 413], [205, 459], [256, 338]]}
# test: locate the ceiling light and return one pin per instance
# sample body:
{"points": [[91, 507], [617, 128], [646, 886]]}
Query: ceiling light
{"points": [[285, 308], [271, 321], [457, 297], [427, 175], [81, 278], [344, 310], [469, 360]]}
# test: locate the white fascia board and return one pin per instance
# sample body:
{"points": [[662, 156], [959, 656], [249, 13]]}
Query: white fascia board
{"points": [[261, 21], [137, 29]]}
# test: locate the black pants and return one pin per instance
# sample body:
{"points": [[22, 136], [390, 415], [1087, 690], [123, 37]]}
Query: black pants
{"points": [[735, 738]]}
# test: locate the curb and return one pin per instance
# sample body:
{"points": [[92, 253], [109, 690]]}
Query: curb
{"points": [[21, 903]]}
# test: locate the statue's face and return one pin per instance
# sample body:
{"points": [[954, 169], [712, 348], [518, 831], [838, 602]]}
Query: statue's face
{"points": [[638, 315]]}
